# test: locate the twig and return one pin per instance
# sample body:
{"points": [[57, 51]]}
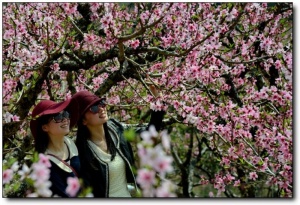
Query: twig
{"points": [[89, 87], [76, 27], [243, 62], [133, 88]]}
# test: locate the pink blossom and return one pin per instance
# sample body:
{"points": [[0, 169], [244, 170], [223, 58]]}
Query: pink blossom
{"points": [[287, 167], [94, 6], [163, 164], [145, 177], [97, 81], [144, 15], [229, 177], [153, 131], [55, 67], [165, 139], [284, 184], [8, 117], [8, 34], [192, 27], [114, 100], [106, 20], [7, 176], [192, 79], [32, 195], [176, 104], [15, 118], [89, 38], [253, 176], [43, 188], [43, 159], [66, 5], [237, 183], [278, 64], [15, 166], [157, 106], [40, 173], [148, 192], [142, 153], [135, 44], [225, 161], [147, 137], [24, 172], [73, 186], [72, 9], [76, 45], [165, 190]]}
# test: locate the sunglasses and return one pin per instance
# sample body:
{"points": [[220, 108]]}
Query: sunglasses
{"points": [[61, 116], [95, 108]]}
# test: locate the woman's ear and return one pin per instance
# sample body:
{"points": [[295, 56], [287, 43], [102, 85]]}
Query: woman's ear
{"points": [[84, 122], [45, 128]]}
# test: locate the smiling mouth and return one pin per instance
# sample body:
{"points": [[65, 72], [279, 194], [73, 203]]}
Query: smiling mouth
{"points": [[102, 115]]}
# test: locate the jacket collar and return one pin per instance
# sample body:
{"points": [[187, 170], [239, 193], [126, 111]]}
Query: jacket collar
{"points": [[73, 152], [114, 135]]}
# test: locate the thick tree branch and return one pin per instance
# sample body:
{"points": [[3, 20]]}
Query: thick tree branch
{"points": [[29, 97], [190, 150], [142, 29]]}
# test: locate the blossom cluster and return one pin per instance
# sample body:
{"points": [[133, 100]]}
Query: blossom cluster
{"points": [[225, 69], [37, 178], [155, 164]]}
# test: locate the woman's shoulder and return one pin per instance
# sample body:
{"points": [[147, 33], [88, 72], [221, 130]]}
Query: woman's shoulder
{"points": [[57, 166], [72, 147], [115, 124]]}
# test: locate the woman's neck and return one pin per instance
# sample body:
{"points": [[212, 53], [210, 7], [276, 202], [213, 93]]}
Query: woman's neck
{"points": [[57, 147], [98, 137], [97, 133], [56, 144]]}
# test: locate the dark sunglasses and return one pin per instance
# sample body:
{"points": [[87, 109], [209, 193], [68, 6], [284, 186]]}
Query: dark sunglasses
{"points": [[61, 116], [95, 108]]}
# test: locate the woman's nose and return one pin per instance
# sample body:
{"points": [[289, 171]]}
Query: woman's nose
{"points": [[66, 119], [100, 108]]}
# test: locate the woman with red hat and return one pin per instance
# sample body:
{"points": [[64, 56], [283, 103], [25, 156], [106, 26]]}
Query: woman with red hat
{"points": [[105, 155], [49, 126]]}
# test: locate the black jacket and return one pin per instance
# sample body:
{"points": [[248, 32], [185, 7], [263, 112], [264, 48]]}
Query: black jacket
{"points": [[58, 177], [59, 172], [94, 171]]}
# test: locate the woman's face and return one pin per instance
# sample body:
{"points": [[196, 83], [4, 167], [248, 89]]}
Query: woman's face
{"points": [[95, 116], [58, 125]]}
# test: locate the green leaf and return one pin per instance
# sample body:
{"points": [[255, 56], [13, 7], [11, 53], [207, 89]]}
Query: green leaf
{"points": [[260, 163], [35, 157], [129, 135], [10, 162], [90, 26], [35, 75], [16, 186]]}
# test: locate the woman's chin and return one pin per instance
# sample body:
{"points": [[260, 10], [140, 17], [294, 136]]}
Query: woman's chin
{"points": [[103, 119]]}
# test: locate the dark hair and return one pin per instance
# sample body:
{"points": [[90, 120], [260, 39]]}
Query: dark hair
{"points": [[42, 139], [83, 134], [110, 143]]}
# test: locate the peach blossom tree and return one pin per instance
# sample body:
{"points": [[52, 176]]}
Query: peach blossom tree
{"points": [[224, 71]]}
